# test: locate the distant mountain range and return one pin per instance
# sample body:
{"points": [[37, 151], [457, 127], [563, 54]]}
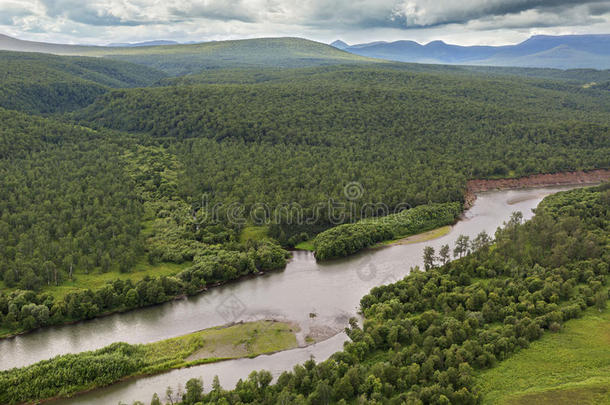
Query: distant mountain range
{"points": [[147, 43], [562, 52]]}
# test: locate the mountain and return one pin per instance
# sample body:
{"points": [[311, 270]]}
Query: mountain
{"points": [[147, 43], [563, 52], [339, 44]]}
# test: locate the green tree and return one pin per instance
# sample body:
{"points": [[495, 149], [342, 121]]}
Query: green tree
{"points": [[429, 257]]}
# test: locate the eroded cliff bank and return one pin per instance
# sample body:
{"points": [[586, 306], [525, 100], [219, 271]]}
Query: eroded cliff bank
{"points": [[536, 180]]}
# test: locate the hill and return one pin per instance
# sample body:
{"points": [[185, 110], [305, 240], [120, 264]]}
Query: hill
{"points": [[563, 52], [193, 58], [300, 136], [262, 52], [42, 83], [13, 44]]}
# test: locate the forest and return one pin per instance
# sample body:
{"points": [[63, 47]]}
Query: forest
{"points": [[406, 137], [425, 337], [108, 166], [38, 83]]}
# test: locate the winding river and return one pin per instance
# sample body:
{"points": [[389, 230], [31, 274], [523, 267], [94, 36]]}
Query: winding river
{"points": [[320, 297]]}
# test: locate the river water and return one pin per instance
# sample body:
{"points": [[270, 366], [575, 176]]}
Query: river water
{"points": [[320, 297]]}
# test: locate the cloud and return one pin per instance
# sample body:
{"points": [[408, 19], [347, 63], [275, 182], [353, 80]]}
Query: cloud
{"points": [[11, 12], [103, 13], [183, 20], [425, 13], [239, 10]]}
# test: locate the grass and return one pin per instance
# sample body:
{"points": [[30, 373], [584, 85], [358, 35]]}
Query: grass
{"points": [[568, 367], [248, 339], [306, 245], [245, 340], [95, 281]]}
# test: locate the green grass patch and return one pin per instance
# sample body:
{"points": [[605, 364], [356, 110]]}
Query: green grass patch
{"points": [[254, 233], [245, 340], [96, 280], [69, 374], [306, 245], [589, 392], [568, 367]]}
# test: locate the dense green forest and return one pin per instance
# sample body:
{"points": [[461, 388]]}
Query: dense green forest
{"points": [[425, 336], [407, 138], [114, 178], [78, 202], [66, 203], [39, 83]]}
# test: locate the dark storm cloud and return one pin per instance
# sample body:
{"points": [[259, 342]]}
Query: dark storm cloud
{"points": [[597, 9], [428, 13]]}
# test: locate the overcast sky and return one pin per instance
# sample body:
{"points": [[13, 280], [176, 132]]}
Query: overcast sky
{"points": [[465, 22]]}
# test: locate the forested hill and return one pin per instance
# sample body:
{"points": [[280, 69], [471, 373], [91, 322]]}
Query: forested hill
{"points": [[261, 52], [579, 77], [194, 58], [42, 83], [273, 53], [406, 137]]}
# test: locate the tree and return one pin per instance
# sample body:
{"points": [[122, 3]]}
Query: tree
{"points": [[155, 400], [444, 254], [194, 391], [461, 246], [482, 240], [429, 257], [169, 395]]}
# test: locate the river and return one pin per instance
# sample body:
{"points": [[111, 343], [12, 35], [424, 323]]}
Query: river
{"points": [[320, 297]]}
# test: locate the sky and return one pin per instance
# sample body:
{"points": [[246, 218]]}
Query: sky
{"points": [[463, 22]]}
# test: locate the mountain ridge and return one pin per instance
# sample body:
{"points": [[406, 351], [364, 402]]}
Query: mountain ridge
{"points": [[547, 51]]}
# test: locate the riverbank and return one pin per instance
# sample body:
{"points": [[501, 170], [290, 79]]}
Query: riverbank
{"points": [[6, 333], [536, 180], [83, 372], [418, 238]]}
